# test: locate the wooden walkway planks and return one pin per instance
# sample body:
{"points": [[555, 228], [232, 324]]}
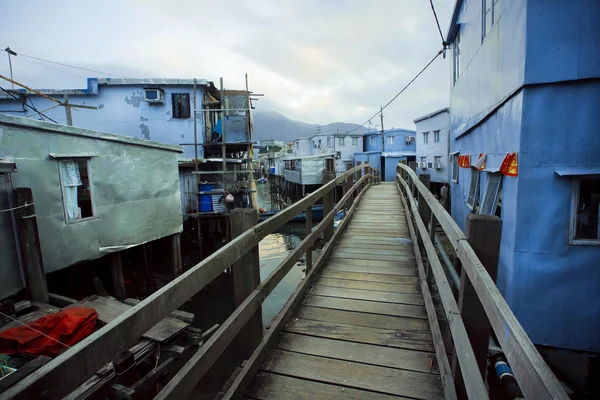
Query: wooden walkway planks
{"points": [[362, 331]]}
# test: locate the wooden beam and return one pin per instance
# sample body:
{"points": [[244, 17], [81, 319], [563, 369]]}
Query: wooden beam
{"points": [[116, 268], [475, 386], [176, 262], [83, 359], [436, 333], [246, 277], [33, 264], [241, 382], [423, 208], [534, 376], [309, 224]]}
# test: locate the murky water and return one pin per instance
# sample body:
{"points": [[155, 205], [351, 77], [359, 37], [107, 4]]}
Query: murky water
{"points": [[274, 249]]}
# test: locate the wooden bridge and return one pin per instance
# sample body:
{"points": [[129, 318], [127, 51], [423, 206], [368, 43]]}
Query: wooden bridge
{"points": [[374, 318]]}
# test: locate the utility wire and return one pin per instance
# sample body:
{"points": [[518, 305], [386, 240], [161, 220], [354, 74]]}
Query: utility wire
{"points": [[400, 92], [438, 23], [71, 66], [54, 69], [27, 105]]}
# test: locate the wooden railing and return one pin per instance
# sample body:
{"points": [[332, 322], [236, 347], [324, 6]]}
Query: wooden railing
{"points": [[533, 375], [79, 362]]}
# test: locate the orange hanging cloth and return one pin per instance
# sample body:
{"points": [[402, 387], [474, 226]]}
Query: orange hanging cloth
{"points": [[68, 326], [510, 166]]}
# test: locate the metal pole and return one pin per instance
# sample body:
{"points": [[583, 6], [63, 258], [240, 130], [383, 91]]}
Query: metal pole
{"points": [[223, 115], [10, 53], [195, 129], [382, 137]]}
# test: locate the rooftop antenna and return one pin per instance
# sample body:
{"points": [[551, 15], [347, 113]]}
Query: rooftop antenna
{"points": [[10, 53]]}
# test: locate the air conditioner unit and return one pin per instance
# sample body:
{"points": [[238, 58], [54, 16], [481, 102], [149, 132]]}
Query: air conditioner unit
{"points": [[338, 155], [437, 165], [430, 165], [153, 96], [422, 164]]}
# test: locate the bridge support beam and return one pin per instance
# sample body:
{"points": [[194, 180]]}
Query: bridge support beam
{"points": [[246, 277], [484, 233], [328, 204]]}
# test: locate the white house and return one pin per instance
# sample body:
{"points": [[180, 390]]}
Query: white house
{"points": [[342, 146], [433, 145]]}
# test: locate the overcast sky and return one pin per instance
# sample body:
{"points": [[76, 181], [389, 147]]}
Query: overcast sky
{"points": [[317, 61]]}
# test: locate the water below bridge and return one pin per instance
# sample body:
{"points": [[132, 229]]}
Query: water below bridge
{"points": [[274, 249]]}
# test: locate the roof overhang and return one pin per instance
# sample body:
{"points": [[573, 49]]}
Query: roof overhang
{"points": [[578, 171]]}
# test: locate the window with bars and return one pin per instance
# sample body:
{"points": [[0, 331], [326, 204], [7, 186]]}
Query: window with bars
{"points": [[181, 105]]}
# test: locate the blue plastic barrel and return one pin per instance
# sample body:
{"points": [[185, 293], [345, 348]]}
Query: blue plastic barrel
{"points": [[205, 200]]}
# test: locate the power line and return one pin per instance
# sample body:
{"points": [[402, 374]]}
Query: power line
{"points": [[437, 23], [27, 105], [400, 92], [71, 66], [54, 69]]}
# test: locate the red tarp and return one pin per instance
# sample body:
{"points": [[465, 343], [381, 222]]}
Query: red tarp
{"points": [[68, 326]]}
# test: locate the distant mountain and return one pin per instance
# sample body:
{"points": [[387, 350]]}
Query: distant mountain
{"points": [[273, 125]]}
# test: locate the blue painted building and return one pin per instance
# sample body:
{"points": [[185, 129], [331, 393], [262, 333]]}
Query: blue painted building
{"points": [[526, 80], [156, 109], [385, 150]]}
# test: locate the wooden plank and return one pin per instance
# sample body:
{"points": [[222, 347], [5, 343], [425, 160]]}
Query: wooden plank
{"points": [[267, 386], [373, 307], [109, 309], [445, 371], [365, 277], [116, 268], [400, 269], [534, 376], [87, 356], [361, 249], [353, 243], [360, 376], [362, 334], [399, 241], [363, 319], [374, 286], [177, 314], [357, 294], [242, 381], [374, 256], [357, 352], [475, 386]]}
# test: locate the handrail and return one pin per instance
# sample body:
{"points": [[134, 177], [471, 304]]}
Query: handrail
{"points": [[193, 371], [92, 353], [533, 375], [474, 385]]}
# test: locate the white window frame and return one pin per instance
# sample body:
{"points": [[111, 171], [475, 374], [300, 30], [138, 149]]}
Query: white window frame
{"points": [[390, 140], [424, 159], [94, 215], [341, 141], [436, 136], [494, 16], [455, 168], [372, 140], [354, 141], [473, 188], [456, 57], [489, 204], [425, 137], [575, 190], [437, 159]]}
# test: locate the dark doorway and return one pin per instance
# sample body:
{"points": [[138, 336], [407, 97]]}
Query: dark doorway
{"points": [[382, 163]]}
